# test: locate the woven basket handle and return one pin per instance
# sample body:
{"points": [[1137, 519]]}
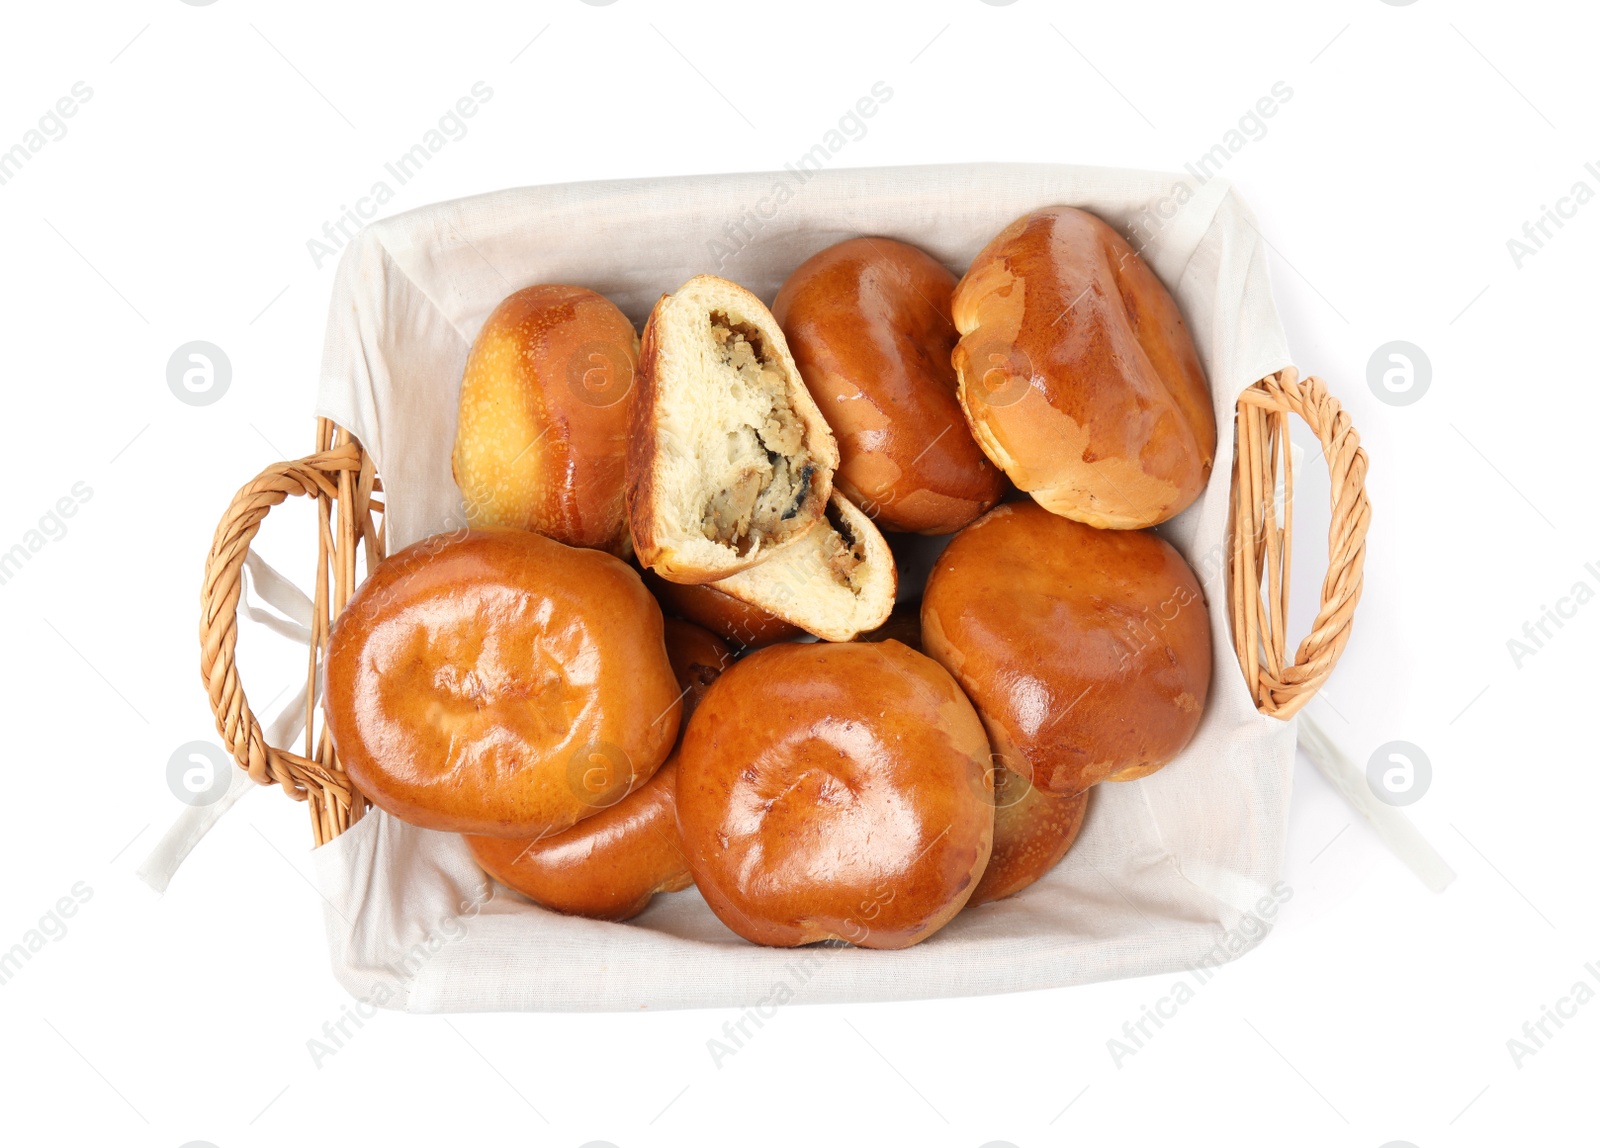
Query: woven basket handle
{"points": [[1261, 546], [338, 475]]}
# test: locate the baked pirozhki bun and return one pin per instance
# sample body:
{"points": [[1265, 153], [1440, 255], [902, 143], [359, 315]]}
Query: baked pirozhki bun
{"points": [[835, 792], [869, 323], [722, 614], [607, 866], [728, 458], [1032, 831], [542, 433], [499, 683], [904, 626], [835, 582], [1087, 652], [698, 658], [1078, 376]]}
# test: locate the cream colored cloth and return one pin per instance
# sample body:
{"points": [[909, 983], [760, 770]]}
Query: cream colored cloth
{"points": [[1168, 869]]}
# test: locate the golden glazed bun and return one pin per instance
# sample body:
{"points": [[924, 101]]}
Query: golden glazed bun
{"points": [[835, 582], [869, 323], [698, 658], [835, 792], [1078, 376], [541, 439], [610, 865], [1087, 652], [722, 614], [729, 460], [904, 626], [496, 682], [607, 866], [1032, 831]]}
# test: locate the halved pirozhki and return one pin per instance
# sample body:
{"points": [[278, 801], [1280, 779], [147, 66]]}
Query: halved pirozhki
{"points": [[836, 582], [729, 460]]}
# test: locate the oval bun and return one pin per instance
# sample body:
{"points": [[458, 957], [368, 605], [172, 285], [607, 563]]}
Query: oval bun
{"points": [[904, 626], [835, 792], [1032, 831], [1078, 376], [498, 683], [721, 613], [868, 321], [698, 658], [541, 436], [607, 866], [1087, 652]]}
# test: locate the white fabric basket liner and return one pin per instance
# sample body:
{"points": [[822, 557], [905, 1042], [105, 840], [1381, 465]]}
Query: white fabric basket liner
{"points": [[1168, 871]]}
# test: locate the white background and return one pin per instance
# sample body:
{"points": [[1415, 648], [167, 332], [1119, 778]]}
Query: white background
{"points": [[219, 139]]}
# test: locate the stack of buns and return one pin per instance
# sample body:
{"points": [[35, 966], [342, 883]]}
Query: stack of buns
{"points": [[665, 650]]}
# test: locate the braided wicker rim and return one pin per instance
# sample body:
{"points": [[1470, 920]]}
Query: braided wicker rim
{"points": [[340, 477], [1261, 547]]}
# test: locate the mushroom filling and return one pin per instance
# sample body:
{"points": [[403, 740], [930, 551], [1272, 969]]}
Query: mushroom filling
{"points": [[765, 476], [846, 553]]}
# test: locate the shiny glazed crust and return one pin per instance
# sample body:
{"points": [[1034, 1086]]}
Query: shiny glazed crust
{"points": [[1078, 376], [1032, 831], [698, 658], [607, 866], [499, 683], [1087, 652], [835, 792], [541, 432], [868, 321]]}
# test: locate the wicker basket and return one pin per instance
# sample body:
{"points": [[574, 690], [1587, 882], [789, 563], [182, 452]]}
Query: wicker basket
{"points": [[340, 477]]}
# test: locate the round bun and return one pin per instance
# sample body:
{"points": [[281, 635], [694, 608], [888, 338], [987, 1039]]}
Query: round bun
{"points": [[541, 441], [698, 658], [607, 866], [1078, 376], [835, 792], [1087, 652], [868, 321], [498, 683], [722, 614], [1032, 831]]}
